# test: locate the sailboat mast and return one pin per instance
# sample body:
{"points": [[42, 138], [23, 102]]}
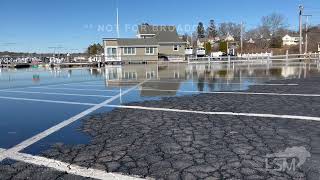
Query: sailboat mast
{"points": [[118, 33]]}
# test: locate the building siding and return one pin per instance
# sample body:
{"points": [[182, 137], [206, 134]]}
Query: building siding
{"points": [[167, 50], [140, 55], [111, 43]]}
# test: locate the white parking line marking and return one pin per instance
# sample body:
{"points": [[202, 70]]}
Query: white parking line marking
{"points": [[71, 83], [63, 94], [274, 84], [187, 82], [48, 85], [82, 85], [93, 104], [220, 113], [47, 101], [68, 168], [174, 110], [240, 93], [63, 124], [75, 89]]}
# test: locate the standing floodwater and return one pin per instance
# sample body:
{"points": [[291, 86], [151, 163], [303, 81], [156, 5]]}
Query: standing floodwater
{"points": [[120, 108]]}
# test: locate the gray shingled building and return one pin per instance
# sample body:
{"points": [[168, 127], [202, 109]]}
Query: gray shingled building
{"points": [[151, 43]]}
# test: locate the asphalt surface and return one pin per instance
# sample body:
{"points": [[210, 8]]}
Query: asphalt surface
{"points": [[19, 170], [170, 145]]}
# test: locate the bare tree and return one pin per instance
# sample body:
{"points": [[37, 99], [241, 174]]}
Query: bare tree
{"points": [[314, 38], [231, 28], [273, 23]]}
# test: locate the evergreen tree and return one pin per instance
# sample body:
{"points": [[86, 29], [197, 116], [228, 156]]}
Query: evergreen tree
{"points": [[95, 49], [200, 30], [212, 31]]}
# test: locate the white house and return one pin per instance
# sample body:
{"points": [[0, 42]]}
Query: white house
{"points": [[251, 41], [290, 40], [229, 38], [202, 41]]}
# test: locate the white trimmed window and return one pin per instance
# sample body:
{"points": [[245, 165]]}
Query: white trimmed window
{"points": [[129, 51], [111, 51], [175, 47], [150, 51], [151, 75]]}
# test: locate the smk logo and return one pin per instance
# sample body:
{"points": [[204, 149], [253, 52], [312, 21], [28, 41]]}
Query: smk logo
{"points": [[288, 160]]}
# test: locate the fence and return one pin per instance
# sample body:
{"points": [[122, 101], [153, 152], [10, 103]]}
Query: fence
{"points": [[259, 58]]}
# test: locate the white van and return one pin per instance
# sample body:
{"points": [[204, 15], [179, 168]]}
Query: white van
{"points": [[189, 51]]}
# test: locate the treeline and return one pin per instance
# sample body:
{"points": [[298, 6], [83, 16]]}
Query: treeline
{"points": [[268, 35]]}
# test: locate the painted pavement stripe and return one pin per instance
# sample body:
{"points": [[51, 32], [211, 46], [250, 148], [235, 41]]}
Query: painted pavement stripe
{"points": [[241, 93], [75, 89], [68, 168], [175, 110], [49, 93], [182, 82], [220, 113], [47, 101], [48, 85]]}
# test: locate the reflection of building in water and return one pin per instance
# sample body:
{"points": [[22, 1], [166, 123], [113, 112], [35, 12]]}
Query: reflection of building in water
{"points": [[56, 71], [96, 72], [212, 77], [169, 78], [158, 88], [158, 77], [289, 71]]}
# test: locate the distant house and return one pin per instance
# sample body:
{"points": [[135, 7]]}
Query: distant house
{"points": [[251, 41], [228, 38], [170, 44], [130, 50], [151, 43], [202, 41], [290, 40]]}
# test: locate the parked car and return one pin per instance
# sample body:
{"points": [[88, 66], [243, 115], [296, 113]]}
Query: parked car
{"points": [[217, 54], [189, 51], [201, 52]]}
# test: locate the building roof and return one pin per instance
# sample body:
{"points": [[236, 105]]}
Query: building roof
{"points": [[164, 34], [135, 41]]}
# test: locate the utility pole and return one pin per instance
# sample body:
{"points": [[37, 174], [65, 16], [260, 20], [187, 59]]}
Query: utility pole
{"points": [[306, 40], [300, 28], [241, 38]]}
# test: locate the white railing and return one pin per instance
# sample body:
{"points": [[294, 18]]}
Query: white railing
{"points": [[257, 58]]}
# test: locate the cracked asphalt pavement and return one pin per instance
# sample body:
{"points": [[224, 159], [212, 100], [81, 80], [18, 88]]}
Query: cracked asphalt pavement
{"points": [[170, 145]]}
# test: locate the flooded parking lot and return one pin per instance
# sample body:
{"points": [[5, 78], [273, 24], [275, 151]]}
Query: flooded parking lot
{"points": [[160, 121]]}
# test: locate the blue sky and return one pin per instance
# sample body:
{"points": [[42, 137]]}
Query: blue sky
{"points": [[36, 25]]}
